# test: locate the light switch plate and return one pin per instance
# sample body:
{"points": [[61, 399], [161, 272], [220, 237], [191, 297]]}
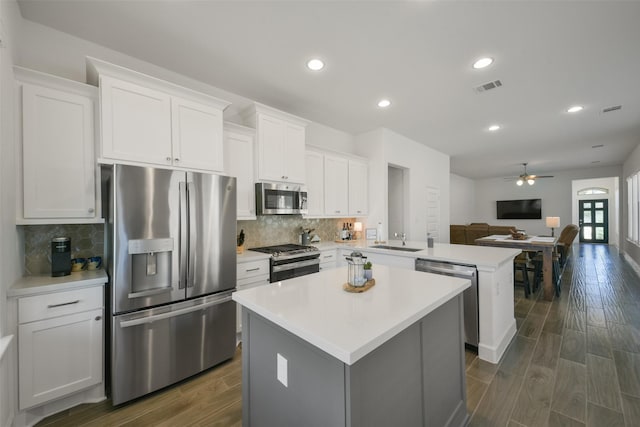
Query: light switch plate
{"points": [[282, 370]]}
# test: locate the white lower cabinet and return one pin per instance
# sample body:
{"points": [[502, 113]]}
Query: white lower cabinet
{"points": [[60, 344], [249, 275], [328, 259]]}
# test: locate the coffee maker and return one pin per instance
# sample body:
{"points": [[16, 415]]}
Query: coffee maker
{"points": [[60, 256]]}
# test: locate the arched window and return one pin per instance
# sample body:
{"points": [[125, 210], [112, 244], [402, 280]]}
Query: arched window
{"points": [[592, 190]]}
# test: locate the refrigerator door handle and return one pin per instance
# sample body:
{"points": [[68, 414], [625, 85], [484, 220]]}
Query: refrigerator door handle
{"points": [[182, 268], [192, 234], [176, 313]]}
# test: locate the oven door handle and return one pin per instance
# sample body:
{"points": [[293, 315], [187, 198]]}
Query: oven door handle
{"points": [[292, 265]]}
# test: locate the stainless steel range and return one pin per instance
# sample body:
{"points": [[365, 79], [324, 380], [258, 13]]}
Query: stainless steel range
{"points": [[289, 261]]}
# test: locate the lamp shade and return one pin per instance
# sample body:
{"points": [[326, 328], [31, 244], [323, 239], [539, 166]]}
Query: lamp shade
{"points": [[553, 221]]}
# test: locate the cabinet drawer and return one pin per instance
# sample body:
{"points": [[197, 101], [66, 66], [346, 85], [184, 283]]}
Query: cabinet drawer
{"points": [[250, 282], [252, 269], [47, 306]]}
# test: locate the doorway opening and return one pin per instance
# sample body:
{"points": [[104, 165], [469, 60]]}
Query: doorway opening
{"points": [[397, 190]]}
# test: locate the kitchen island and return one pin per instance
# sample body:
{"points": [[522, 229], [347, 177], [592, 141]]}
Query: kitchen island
{"points": [[314, 354]]}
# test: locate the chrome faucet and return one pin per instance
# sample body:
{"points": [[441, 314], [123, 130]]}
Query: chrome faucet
{"points": [[403, 236]]}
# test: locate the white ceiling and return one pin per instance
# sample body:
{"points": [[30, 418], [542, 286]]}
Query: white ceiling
{"points": [[548, 55]]}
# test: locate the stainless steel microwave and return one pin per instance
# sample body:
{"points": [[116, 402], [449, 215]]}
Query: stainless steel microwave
{"points": [[280, 199]]}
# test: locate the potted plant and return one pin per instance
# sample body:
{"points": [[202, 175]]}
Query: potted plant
{"points": [[240, 242], [367, 270]]}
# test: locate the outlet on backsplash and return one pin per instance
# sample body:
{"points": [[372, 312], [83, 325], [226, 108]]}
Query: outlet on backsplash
{"points": [[86, 240], [275, 229]]}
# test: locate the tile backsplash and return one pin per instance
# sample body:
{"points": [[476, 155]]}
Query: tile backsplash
{"points": [[275, 229], [86, 240]]}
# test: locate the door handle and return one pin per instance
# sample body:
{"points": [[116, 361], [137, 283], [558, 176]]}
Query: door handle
{"points": [[192, 234], [176, 313], [182, 264]]}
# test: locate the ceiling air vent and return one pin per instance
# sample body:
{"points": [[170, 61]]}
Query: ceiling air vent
{"points": [[488, 86], [610, 109]]}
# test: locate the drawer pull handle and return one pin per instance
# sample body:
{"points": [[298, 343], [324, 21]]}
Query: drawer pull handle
{"points": [[98, 318], [64, 303], [253, 269]]}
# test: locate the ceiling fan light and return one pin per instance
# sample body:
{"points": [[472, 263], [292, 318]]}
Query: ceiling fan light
{"points": [[519, 182], [531, 181]]}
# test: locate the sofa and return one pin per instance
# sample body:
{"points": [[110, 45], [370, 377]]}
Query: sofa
{"points": [[467, 234]]}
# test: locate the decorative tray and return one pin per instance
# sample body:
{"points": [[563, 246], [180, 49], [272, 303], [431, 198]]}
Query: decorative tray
{"points": [[359, 289]]}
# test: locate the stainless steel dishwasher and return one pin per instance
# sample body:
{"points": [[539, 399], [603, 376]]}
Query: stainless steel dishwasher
{"points": [[470, 296]]}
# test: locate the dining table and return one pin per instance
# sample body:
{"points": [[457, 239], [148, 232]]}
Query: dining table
{"points": [[544, 244]]}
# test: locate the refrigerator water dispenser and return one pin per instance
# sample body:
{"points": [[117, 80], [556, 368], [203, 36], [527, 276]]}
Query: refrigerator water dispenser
{"points": [[150, 265]]}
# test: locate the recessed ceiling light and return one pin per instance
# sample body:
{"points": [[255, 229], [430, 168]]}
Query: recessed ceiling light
{"points": [[494, 128], [384, 103], [315, 64], [575, 109], [482, 63]]}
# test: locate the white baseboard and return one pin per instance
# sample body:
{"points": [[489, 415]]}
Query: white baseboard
{"points": [[632, 262], [493, 354]]}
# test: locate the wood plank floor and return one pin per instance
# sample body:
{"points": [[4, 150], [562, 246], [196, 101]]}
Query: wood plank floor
{"points": [[574, 362]]}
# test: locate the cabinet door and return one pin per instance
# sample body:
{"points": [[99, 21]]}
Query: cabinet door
{"points": [[315, 183], [271, 157], [358, 188], [59, 168], [136, 122], [196, 135], [238, 153], [294, 150], [336, 182], [59, 356]]}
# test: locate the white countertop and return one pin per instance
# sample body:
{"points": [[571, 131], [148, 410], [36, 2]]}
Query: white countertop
{"points": [[249, 255], [44, 284], [348, 325], [481, 256]]}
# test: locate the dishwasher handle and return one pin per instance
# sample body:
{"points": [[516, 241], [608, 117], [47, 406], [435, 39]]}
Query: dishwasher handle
{"points": [[445, 268]]}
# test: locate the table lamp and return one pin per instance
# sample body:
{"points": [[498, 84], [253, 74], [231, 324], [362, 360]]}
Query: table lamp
{"points": [[357, 226], [553, 222]]}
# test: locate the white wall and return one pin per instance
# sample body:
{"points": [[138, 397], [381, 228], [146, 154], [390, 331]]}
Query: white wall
{"points": [[554, 192], [631, 165], [10, 245], [425, 166], [463, 199], [610, 184], [396, 197]]}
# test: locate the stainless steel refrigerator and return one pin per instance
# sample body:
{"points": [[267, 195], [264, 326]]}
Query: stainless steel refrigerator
{"points": [[171, 259]]}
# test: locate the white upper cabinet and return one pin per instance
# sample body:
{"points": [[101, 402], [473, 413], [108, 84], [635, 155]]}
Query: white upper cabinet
{"points": [[280, 144], [58, 179], [336, 185], [154, 122], [197, 135], [315, 183], [358, 188], [136, 122], [238, 162]]}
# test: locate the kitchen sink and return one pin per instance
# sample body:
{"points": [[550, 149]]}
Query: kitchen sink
{"points": [[396, 248]]}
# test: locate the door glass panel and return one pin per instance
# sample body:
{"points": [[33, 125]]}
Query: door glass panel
{"points": [[587, 217], [587, 205], [599, 233], [587, 233], [599, 205], [599, 217]]}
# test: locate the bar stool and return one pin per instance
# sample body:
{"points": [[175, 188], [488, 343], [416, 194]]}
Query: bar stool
{"points": [[520, 263], [556, 271]]}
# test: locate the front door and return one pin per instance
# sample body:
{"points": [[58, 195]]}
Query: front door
{"points": [[594, 221]]}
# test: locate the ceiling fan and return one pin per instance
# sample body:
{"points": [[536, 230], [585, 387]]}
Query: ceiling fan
{"points": [[528, 178]]}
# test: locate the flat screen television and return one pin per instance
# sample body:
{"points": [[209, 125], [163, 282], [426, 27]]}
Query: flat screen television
{"points": [[519, 209]]}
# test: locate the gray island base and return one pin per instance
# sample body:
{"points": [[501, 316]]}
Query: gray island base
{"points": [[414, 378]]}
